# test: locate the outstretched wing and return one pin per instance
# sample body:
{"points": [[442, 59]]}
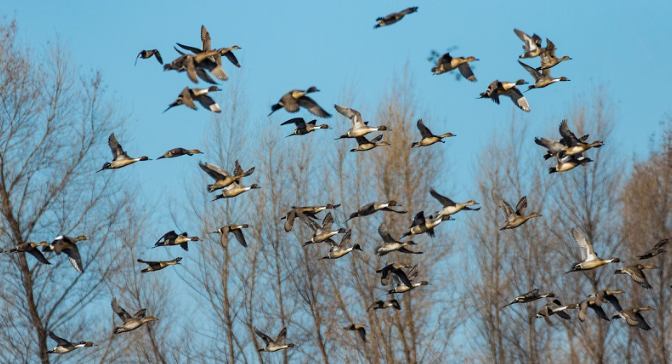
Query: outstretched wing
{"points": [[312, 106], [587, 252], [267, 339], [240, 237], [354, 116], [567, 135], [311, 224], [445, 201], [117, 150], [59, 340], [531, 70], [75, 259], [120, 311], [508, 211], [522, 205], [327, 222], [214, 171], [299, 122], [424, 131]]}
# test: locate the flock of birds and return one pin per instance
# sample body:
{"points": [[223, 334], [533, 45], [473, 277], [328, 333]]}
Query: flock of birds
{"points": [[204, 63]]}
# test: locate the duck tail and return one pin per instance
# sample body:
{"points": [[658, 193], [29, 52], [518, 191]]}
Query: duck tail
{"points": [[551, 170], [210, 189], [275, 108], [434, 70], [414, 145]]}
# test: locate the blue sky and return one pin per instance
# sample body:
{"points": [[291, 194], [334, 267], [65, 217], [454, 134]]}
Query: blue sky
{"points": [[617, 44]]}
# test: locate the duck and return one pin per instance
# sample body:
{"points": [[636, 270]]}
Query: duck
{"points": [[189, 95], [428, 138], [381, 305], [235, 189], [338, 250], [387, 270], [158, 265], [590, 259], [394, 17], [568, 163], [358, 127], [303, 128], [223, 178], [502, 88], [171, 239], [513, 218], [237, 231], [548, 58], [657, 249], [555, 307], [542, 78], [553, 147], [606, 295], [308, 211], [405, 282], [588, 303], [532, 44], [64, 346], [144, 54], [390, 244], [178, 152], [66, 244], [632, 317], [273, 345], [530, 296], [321, 233], [206, 47], [446, 63], [364, 144], [32, 249], [422, 224], [373, 207], [361, 330], [195, 66], [294, 99], [575, 145], [120, 158], [635, 271], [449, 206], [130, 322]]}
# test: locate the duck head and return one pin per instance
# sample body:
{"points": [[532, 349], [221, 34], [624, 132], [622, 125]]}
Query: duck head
{"points": [[105, 166]]}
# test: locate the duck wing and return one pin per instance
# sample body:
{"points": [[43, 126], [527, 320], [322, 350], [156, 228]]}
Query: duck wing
{"points": [[240, 237], [660, 244], [158, 56], [522, 205], [289, 222], [518, 98], [75, 259], [60, 341], [120, 311], [267, 339], [167, 236], [327, 222], [214, 171], [382, 231], [466, 72], [587, 252], [530, 43], [193, 50], [424, 131], [187, 100], [567, 135], [312, 106], [551, 145], [281, 335], [310, 223], [231, 57], [406, 251], [208, 103], [361, 140], [205, 39], [38, 255], [508, 211], [531, 70], [354, 116], [117, 151], [346, 239], [445, 201], [299, 122], [140, 314], [419, 219], [400, 276]]}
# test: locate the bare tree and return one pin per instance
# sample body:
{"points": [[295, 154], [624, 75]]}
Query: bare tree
{"points": [[54, 123]]}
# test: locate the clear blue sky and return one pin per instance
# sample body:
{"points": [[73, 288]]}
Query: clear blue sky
{"points": [[619, 44]]}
